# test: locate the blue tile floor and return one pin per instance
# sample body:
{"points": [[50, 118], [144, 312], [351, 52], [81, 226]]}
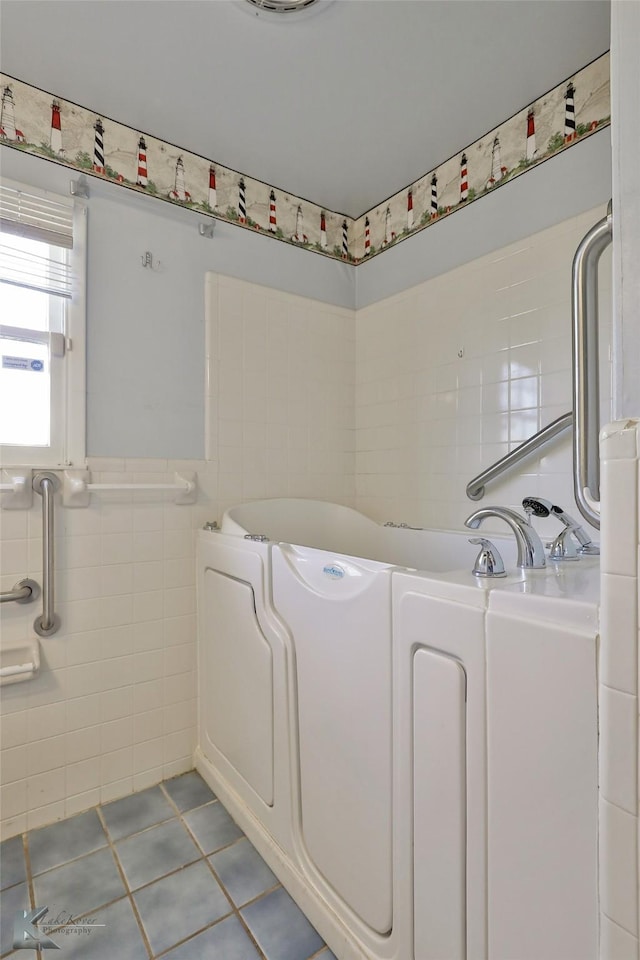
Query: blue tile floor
{"points": [[162, 873]]}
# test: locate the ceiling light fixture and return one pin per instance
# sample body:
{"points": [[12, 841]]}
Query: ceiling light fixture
{"points": [[281, 6]]}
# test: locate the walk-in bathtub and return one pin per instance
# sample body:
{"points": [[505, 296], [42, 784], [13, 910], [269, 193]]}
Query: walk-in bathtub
{"points": [[343, 721], [341, 530]]}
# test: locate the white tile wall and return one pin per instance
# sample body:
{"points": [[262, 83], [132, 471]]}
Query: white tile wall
{"points": [[453, 373], [113, 709], [280, 403], [619, 721]]}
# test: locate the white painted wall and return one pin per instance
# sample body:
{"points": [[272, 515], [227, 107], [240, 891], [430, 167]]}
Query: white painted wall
{"points": [[145, 375]]}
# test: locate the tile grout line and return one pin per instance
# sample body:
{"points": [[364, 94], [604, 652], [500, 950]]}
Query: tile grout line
{"points": [[102, 906], [128, 893], [236, 910], [28, 871], [260, 896]]}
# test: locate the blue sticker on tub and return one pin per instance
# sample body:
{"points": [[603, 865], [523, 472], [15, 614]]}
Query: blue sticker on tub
{"points": [[333, 571]]}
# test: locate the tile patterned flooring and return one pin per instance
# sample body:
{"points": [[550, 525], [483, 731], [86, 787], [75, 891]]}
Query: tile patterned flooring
{"points": [[161, 873]]}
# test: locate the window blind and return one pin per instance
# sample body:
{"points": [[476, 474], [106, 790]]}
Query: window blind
{"points": [[36, 230]]}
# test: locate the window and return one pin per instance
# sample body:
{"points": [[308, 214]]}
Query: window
{"points": [[42, 327]]}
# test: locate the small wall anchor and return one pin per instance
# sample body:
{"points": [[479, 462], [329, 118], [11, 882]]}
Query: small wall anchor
{"points": [[488, 563], [149, 263]]}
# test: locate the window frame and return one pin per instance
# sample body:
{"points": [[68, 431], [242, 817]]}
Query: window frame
{"points": [[67, 357]]}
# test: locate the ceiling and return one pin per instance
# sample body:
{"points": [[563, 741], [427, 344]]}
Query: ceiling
{"points": [[343, 104]]}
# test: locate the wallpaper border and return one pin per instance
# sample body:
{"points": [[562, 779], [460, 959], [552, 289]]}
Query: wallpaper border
{"points": [[37, 122]]}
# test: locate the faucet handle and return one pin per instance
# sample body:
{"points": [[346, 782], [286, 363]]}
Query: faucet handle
{"points": [[563, 547], [488, 563]]}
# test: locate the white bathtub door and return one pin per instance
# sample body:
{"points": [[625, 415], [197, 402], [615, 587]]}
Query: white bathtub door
{"points": [[237, 663], [339, 613]]}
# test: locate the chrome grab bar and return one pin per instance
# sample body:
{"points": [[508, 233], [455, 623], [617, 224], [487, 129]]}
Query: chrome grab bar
{"points": [[586, 391], [475, 488], [24, 591], [48, 622]]}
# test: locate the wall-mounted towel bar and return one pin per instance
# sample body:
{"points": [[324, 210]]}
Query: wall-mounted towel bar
{"points": [[77, 487], [16, 488]]}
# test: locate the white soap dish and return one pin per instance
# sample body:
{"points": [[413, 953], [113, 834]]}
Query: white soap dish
{"points": [[19, 662]]}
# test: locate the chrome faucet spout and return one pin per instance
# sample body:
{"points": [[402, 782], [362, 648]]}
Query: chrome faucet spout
{"points": [[530, 549]]}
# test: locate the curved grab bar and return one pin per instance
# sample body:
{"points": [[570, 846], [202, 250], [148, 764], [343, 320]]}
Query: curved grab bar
{"points": [[586, 392]]}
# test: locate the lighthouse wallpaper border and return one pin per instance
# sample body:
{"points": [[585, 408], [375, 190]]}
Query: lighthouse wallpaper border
{"points": [[567, 114], [37, 122]]}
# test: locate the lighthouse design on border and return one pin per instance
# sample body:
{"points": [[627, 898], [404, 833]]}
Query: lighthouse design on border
{"points": [[531, 135], [389, 234], [410, 210], [367, 237], [497, 170], [569, 114], [464, 180], [299, 236], [142, 174], [434, 196], [179, 191], [242, 201], [55, 141], [273, 225], [98, 147], [8, 129], [323, 230], [213, 193], [345, 240]]}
